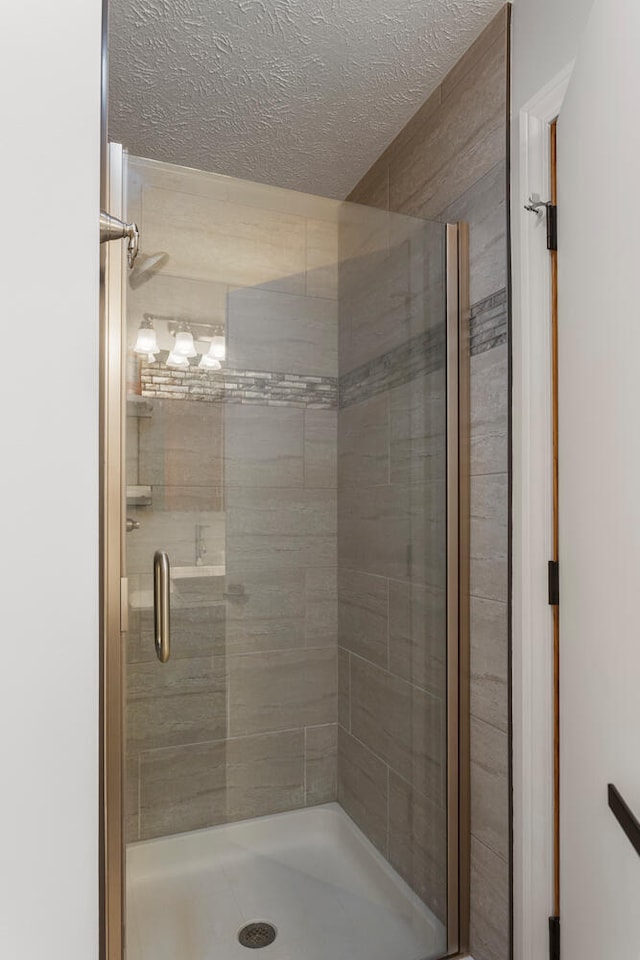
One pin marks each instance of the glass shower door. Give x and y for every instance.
(286, 447)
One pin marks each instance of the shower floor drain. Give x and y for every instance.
(258, 934)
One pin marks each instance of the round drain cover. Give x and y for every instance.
(257, 934)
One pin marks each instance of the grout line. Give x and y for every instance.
(388, 808)
(409, 683)
(487, 723)
(486, 846)
(350, 698)
(435, 802)
(479, 596)
(227, 739)
(388, 628)
(139, 805)
(304, 766)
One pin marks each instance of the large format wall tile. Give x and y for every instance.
(265, 609)
(284, 333)
(207, 783)
(363, 615)
(344, 689)
(182, 788)
(320, 448)
(321, 607)
(267, 511)
(489, 412)
(490, 662)
(363, 788)
(489, 903)
(490, 787)
(198, 631)
(418, 635)
(321, 772)
(489, 536)
(180, 445)
(483, 207)
(448, 163)
(401, 724)
(322, 259)
(417, 429)
(375, 530)
(263, 446)
(245, 481)
(282, 690)
(179, 702)
(363, 443)
(464, 145)
(210, 239)
(264, 774)
(418, 843)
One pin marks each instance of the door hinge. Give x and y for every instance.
(537, 206)
(554, 583)
(554, 938)
(552, 226)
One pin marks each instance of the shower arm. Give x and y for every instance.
(111, 228)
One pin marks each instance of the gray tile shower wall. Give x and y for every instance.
(447, 164)
(237, 470)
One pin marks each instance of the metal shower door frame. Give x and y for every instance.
(113, 593)
(458, 417)
(114, 601)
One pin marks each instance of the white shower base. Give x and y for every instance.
(311, 873)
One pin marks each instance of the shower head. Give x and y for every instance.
(146, 266)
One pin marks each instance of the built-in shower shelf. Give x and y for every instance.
(138, 496)
(189, 573)
(194, 585)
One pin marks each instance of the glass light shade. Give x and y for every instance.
(208, 362)
(146, 342)
(218, 348)
(177, 362)
(183, 346)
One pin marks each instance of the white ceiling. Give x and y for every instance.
(299, 93)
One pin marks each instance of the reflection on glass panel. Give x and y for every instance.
(286, 446)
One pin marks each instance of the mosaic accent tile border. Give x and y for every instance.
(421, 355)
(489, 323)
(238, 386)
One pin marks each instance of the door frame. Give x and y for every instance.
(113, 592)
(532, 511)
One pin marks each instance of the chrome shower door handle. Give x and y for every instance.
(162, 604)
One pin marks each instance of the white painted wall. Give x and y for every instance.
(49, 168)
(599, 396)
(545, 37)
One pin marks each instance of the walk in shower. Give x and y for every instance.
(291, 761)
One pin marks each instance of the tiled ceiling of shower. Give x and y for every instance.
(302, 94)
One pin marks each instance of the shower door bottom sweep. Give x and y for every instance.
(290, 530)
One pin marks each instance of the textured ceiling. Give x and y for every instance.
(303, 94)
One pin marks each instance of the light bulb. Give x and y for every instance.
(208, 362)
(218, 348)
(151, 358)
(146, 342)
(184, 345)
(177, 362)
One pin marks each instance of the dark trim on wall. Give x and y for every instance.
(509, 14)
